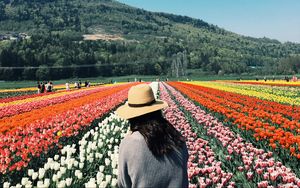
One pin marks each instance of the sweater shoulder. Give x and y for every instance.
(134, 140)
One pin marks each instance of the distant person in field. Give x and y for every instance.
(287, 78)
(43, 88)
(49, 87)
(154, 154)
(76, 85)
(86, 84)
(67, 86)
(79, 84)
(39, 86)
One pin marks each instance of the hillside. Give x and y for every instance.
(150, 43)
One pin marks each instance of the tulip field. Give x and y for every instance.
(239, 134)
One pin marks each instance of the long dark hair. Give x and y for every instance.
(161, 137)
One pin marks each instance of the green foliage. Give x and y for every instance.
(150, 42)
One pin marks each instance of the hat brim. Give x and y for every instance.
(127, 112)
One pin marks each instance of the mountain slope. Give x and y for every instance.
(153, 43)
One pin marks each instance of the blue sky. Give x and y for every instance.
(276, 19)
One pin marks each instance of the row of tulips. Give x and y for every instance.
(259, 166)
(37, 97)
(32, 97)
(19, 146)
(272, 112)
(29, 104)
(38, 116)
(289, 92)
(6, 95)
(26, 89)
(92, 162)
(280, 83)
(250, 115)
(203, 167)
(22, 97)
(289, 98)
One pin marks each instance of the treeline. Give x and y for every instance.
(152, 43)
(61, 56)
(57, 56)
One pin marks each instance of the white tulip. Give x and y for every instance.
(108, 178)
(103, 184)
(115, 172)
(24, 181)
(116, 148)
(79, 175)
(111, 140)
(100, 177)
(92, 131)
(47, 165)
(49, 160)
(81, 165)
(28, 185)
(91, 183)
(6, 185)
(63, 170)
(100, 144)
(47, 182)
(113, 164)
(91, 159)
(63, 151)
(54, 178)
(82, 159)
(107, 161)
(70, 165)
(61, 184)
(76, 163)
(56, 157)
(34, 175)
(56, 166)
(30, 172)
(40, 184)
(41, 173)
(59, 174)
(62, 161)
(88, 150)
(68, 181)
(114, 182)
(101, 168)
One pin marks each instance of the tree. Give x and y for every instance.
(2, 11)
(158, 69)
(6, 74)
(43, 73)
(29, 74)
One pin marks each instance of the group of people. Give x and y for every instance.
(44, 87)
(286, 78)
(78, 84)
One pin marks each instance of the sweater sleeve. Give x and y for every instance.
(123, 176)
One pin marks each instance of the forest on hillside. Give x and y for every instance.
(153, 43)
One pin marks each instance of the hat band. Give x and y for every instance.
(142, 105)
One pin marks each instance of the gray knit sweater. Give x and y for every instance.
(138, 167)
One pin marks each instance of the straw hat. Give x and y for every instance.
(141, 101)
